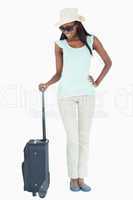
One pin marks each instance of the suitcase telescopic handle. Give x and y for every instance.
(43, 117)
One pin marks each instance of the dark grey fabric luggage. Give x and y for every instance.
(35, 167)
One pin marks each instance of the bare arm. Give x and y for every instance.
(59, 65)
(97, 45)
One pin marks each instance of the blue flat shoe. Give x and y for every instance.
(74, 188)
(85, 188)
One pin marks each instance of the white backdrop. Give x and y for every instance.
(27, 35)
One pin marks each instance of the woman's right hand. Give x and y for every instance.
(43, 86)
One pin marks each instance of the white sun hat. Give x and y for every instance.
(68, 15)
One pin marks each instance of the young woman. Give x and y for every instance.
(76, 90)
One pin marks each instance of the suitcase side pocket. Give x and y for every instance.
(25, 171)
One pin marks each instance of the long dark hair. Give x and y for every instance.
(82, 34)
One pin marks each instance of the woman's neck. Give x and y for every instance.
(75, 38)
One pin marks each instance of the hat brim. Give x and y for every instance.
(80, 18)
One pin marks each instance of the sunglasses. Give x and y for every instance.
(67, 28)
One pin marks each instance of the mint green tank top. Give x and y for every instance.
(76, 65)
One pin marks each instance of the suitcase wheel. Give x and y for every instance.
(34, 193)
(42, 194)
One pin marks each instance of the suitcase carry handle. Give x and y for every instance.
(43, 117)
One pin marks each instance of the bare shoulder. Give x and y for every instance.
(97, 43)
(58, 47)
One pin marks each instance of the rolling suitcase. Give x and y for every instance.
(35, 167)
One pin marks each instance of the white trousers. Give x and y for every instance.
(76, 114)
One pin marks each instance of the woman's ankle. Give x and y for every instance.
(74, 181)
(80, 180)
